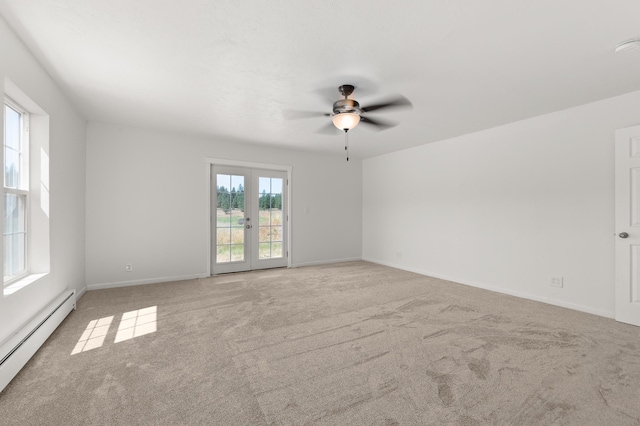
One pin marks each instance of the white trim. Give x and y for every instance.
(12, 91)
(158, 280)
(249, 164)
(80, 293)
(16, 351)
(326, 262)
(22, 277)
(15, 105)
(209, 161)
(21, 282)
(209, 213)
(522, 295)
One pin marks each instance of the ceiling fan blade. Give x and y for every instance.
(292, 114)
(398, 101)
(328, 129)
(377, 123)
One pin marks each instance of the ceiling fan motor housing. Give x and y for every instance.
(346, 105)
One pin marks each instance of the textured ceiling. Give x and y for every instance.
(232, 69)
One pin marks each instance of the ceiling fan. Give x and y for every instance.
(347, 113)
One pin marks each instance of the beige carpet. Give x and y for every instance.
(344, 344)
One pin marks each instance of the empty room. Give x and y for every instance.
(320, 213)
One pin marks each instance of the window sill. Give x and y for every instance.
(22, 283)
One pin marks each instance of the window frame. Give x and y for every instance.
(22, 187)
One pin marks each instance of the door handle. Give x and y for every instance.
(623, 235)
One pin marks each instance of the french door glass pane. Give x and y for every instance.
(264, 251)
(270, 217)
(223, 254)
(230, 218)
(276, 249)
(224, 236)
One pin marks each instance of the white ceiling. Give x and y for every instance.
(232, 68)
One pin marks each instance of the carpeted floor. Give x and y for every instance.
(344, 344)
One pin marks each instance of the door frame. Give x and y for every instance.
(223, 162)
(627, 307)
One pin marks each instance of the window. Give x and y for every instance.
(16, 190)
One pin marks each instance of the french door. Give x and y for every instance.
(249, 220)
(627, 245)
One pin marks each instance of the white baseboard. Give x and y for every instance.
(522, 295)
(18, 349)
(80, 293)
(324, 262)
(157, 280)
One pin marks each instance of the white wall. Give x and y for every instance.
(66, 180)
(147, 205)
(508, 207)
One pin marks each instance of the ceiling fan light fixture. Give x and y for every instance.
(346, 120)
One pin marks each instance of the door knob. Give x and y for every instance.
(623, 235)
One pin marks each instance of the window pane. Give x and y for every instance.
(14, 234)
(14, 213)
(14, 254)
(12, 135)
(11, 168)
(12, 128)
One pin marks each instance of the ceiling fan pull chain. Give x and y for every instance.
(346, 142)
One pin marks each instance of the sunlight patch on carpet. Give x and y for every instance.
(93, 336)
(137, 323)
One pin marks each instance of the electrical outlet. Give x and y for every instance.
(128, 267)
(556, 281)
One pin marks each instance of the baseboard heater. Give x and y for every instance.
(19, 349)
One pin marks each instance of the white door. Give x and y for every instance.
(249, 219)
(627, 246)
